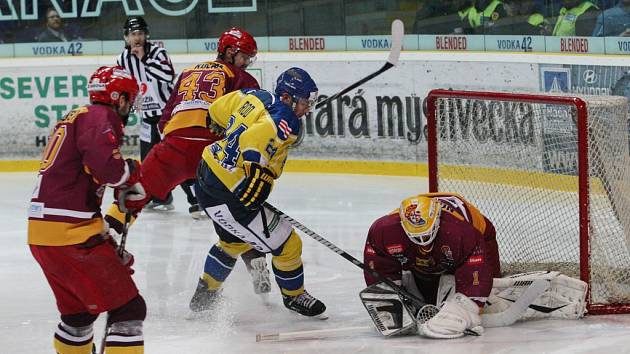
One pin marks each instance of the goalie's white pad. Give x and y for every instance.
(446, 288)
(457, 315)
(390, 314)
(565, 298)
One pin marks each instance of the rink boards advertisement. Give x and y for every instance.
(382, 120)
(581, 80)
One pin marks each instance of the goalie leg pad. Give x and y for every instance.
(388, 312)
(564, 299)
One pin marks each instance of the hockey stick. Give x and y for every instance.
(315, 334)
(398, 31)
(400, 291)
(120, 252)
(514, 312)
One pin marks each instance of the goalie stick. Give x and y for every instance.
(398, 31)
(313, 334)
(514, 312)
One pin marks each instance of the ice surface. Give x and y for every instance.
(170, 249)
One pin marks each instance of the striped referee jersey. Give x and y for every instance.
(154, 74)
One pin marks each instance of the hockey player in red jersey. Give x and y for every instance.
(65, 226)
(431, 235)
(187, 131)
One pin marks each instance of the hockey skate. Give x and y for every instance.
(305, 304)
(204, 299)
(260, 275)
(196, 212)
(162, 205)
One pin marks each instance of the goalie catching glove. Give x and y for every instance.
(256, 187)
(457, 316)
(131, 196)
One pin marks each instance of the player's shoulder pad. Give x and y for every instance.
(287, 123)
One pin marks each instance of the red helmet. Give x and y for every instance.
(108, 82)
(239, 39)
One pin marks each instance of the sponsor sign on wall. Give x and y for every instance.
(560, 134)
(382, 120)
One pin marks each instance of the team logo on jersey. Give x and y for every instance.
(143, 88)
(475, 275)
(393, 249)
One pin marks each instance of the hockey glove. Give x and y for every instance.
(131, 196)
(255, 189)
(457, 315)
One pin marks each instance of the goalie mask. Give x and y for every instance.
(420, 218)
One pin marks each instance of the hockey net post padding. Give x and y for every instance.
(551, 171)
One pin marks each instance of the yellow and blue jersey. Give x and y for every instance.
(258, 128)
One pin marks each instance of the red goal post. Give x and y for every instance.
(551, 171)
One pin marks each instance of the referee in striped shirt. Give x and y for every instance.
(153, 70)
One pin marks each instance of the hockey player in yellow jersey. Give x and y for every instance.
(236, 175)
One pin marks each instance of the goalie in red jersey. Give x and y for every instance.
(441, 249)
(431, 235)
(186, 132)
(65, 228)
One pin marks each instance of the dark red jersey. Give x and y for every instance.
(465, 246)
(196, 88)
(81, 157)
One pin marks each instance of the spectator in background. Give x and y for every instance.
(614, 21)
(55, 29)
(575, 18)
(470, 17)
(439, 17)
(519, 17)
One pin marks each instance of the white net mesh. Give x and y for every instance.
(517, 160)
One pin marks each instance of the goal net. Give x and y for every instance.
(551, 172)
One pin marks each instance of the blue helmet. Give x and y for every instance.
(298, 84)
